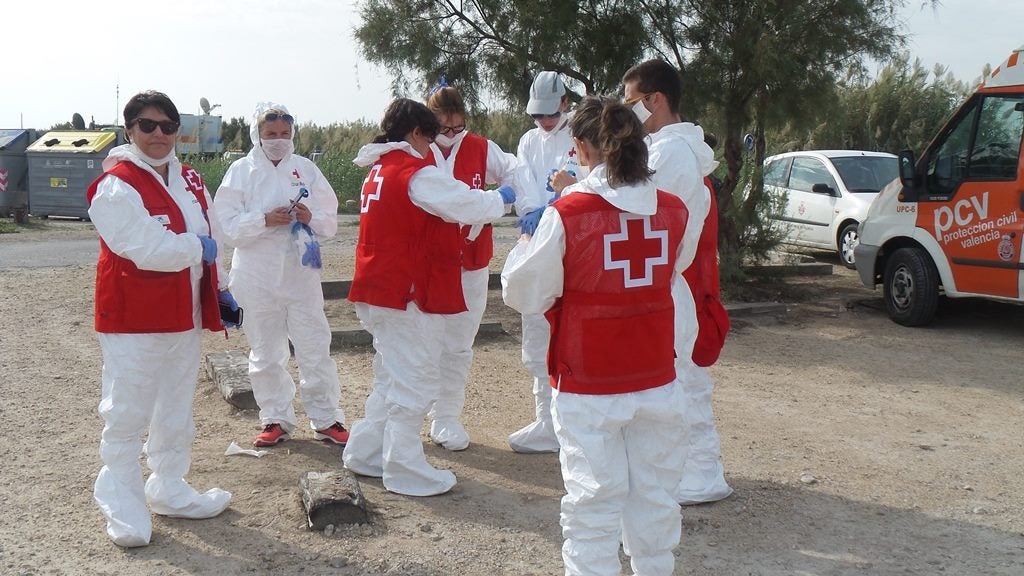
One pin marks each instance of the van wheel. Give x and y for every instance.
(848, 240)
(911, 287)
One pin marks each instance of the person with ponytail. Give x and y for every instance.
(407, 277)
(604, 266)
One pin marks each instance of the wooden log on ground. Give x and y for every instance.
(230, 372)
(332, 499)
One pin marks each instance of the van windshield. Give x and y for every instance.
(866, 173)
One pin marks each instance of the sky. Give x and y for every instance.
(67, 56)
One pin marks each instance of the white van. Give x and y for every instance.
(954, 221)
(822, 195)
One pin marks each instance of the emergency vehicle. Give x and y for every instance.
(953, 223)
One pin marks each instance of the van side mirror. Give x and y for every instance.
(908, 169)
(821, 188)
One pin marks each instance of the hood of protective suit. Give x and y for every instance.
(254, 128)
(370, 153)
(694, 136)
(634, 198)
(126, 153)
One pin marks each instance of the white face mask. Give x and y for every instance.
(446, 141)
(641, 111)
(149, 159)
(278, 148)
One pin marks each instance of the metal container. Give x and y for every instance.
(14, 169)
(61, 166)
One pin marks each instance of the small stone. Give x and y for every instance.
(426, 528)
(329, 530)
(969, 488)
(979, 510)
(339, 562)
(808, 478)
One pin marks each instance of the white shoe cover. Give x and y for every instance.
(123, 504)
(702, 483)
(535, 438)
(450, 434)
(363, 453)
(177, 499)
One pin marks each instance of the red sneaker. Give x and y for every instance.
(272, 434)
(335, 434)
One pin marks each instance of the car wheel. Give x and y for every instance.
(911, 287)
(848, 240)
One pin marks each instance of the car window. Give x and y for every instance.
(993, 153)
(866, 173)
(996, 149)
(776, 172)
(807, 172)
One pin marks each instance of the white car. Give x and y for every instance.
(823, 195)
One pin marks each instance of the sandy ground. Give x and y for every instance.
(915, 438)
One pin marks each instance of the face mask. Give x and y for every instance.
(446, 141)
(149, 159)
(641, 111)
(278, 148)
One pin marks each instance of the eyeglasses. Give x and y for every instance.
(273, 116)
(453, 130)
(147, 126)
(548, 116)
(632, 101)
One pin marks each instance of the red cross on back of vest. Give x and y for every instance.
(636, 250)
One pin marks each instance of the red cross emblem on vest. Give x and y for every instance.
(572, 152)
(296, 174)
(636, 250)
(371, 188)
(194, 180)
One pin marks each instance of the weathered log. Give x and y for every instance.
(332, 499)
(230, 372)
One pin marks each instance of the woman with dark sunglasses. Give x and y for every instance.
(156, 288)
(273, 206)
(543, 151)
(477, 162)
(407, 277)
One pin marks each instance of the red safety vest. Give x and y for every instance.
(613, 329)
(702, 277)
(134, 301)
(471, 168)
(404, 253)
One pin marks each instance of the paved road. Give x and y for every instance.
(47, 253)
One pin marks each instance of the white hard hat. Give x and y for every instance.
(545, 93)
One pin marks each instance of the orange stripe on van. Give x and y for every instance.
(1013, 60)
(995, 73)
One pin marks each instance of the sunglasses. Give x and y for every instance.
(147, 126)
(631, 101)
(453, 130)
(273, 116)
(543, 116)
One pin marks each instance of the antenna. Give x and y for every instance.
(77, 121)
(204, 104)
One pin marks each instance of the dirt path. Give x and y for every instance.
(915, 438)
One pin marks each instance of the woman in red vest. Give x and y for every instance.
(605, 266)
(156, 287)
(408, 275)
(475, 161)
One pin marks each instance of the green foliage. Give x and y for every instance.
(235, 134)
(8, 227)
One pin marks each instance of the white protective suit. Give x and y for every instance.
(408, 344)
(149, 380)
(282, 299)
(621, 454)
(681, 160)
(460, 329)
(542, 153)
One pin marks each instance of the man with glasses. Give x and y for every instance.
(544, 151)
(273, 206)
(477, 162)
(681, 159)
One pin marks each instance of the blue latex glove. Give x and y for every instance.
(309, 246)
(550, 174)
(225, 298)
(528, 222)
(508, 195)
(209, 249)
